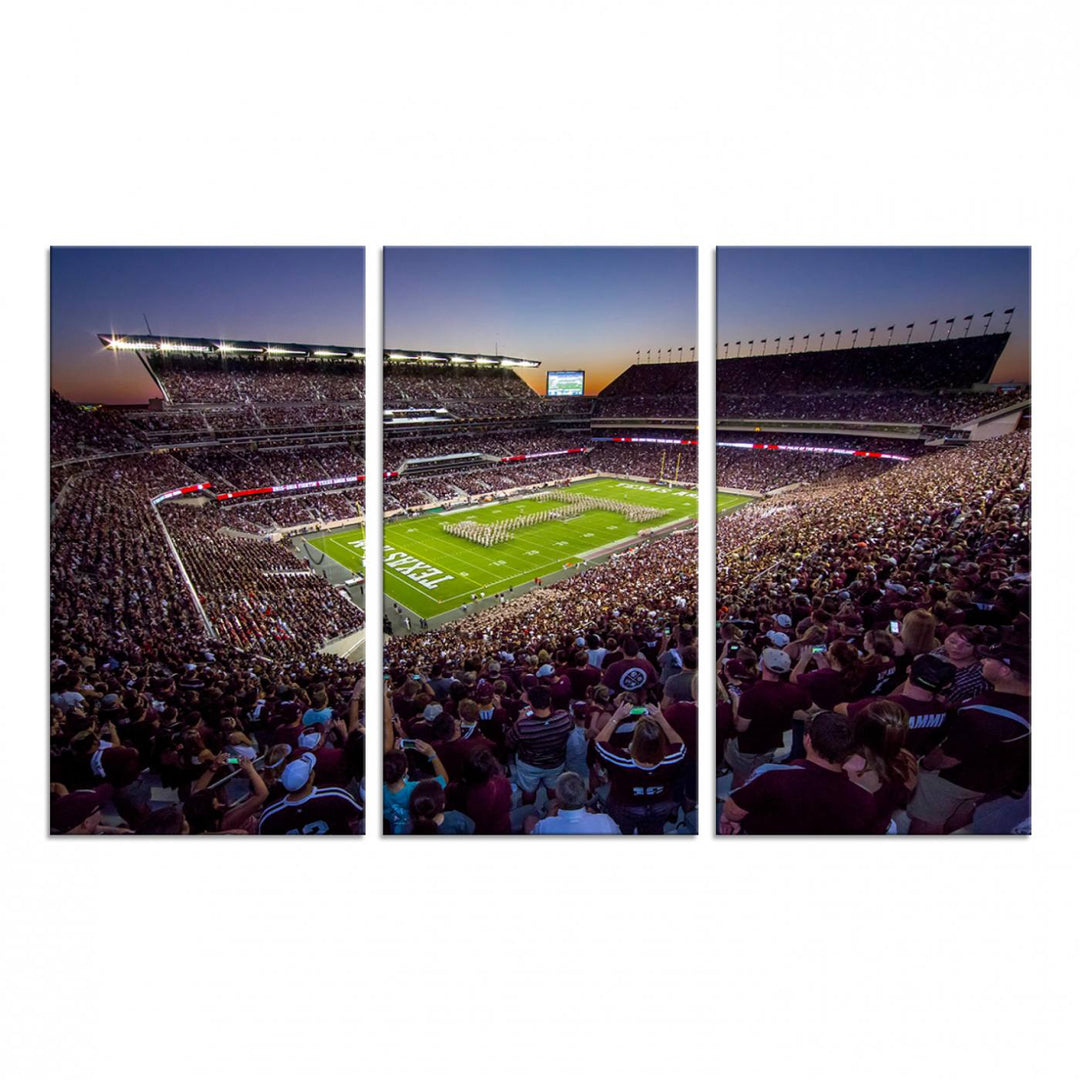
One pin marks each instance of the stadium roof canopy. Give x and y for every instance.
(179, 346)
(439, 358)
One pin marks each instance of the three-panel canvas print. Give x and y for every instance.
(544, 666)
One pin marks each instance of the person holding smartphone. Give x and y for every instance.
(645, 774)
(398, 787)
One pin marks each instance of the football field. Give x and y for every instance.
(429, 571)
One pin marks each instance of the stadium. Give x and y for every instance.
(540, 552)
(205, 678)
(873, 668)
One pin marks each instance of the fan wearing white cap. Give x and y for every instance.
(763, 713)
(307, 809)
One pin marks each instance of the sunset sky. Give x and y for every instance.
(310, 295)
(570, 308)
(779, 292)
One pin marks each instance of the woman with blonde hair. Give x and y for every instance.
(879, 762)
(918, 632)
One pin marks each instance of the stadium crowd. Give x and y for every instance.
(896, 406)
(157, 726)
(874, 670)
(570, 708)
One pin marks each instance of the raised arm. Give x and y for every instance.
(236, 816)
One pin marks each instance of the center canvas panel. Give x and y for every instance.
(540, 541)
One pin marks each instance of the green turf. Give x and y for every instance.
(464, 568)
(726, 501)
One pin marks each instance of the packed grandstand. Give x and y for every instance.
(199, 650)
(201, 671)
(566, 704)
(873, 604)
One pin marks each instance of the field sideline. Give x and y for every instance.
(430, 572)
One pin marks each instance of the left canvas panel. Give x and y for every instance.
(206, 425)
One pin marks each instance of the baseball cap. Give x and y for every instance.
(782, 620)
(110, 701)
(778, 639)
(779, 663)
(545, 669)
(931, 672)
(298, 771)
(432, 711)
(896, 587)
(311, 735)
(1015, 657)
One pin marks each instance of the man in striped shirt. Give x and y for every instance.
(538, 738)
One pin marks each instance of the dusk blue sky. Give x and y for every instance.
(588, 308)
(311, 295)
(779, 292)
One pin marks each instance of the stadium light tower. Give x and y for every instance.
(791, 344)
(776, 342)
(949, 324)
(890, 329)
(693, 352)
(806, 342)
(873, 331)
(854, 336)
(738, 348)
(669, 355)
(821, 343)
(1009, 312)
(987, 316)
(751, 344)
(967, 323)
(933, 328)
(910, 327)
(838, 333)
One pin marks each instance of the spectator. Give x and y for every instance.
(813, 796)
(569, 816)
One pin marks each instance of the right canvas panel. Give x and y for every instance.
(873, 415)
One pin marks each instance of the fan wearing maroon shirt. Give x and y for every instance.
(643, 776)
(763, 712)
(309, 810)
(632, 672)
(455, 739)
(683, 717)
(987, 751)
(812, 797)
(581, 673)
(923, 694)
(484, 794)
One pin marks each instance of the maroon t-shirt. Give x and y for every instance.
(992, 738)
(287, 733)
(770, 707)
(324, 811)
(455, 753)
(806, 800)
(826, 687)
(488, 805)
(331, 768)
(928, 722)
(635, 673)
(561, 692)
(581, 678)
